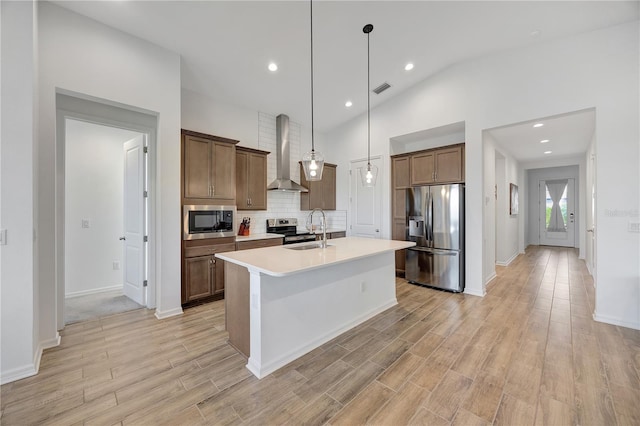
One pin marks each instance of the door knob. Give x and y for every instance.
(122, 238)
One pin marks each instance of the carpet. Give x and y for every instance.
(94, 306)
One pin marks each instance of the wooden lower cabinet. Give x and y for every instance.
(399, 232)
(202, 272)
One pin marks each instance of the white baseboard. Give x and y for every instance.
(474, 292)
(30, 369)
(18, 373)
(170, 313)
(488, 279)
(511, 259)
(92, 291)
(616, 321)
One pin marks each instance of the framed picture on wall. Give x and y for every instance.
(513, 199)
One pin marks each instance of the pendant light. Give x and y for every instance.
(312, 162)
(370, 173)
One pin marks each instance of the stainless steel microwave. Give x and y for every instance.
(201, 222)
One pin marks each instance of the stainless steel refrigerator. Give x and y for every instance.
(435, 219)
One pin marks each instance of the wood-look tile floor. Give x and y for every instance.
(527, 353)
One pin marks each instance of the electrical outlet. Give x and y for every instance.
(116, 265)
(85, 223)
(363, 287)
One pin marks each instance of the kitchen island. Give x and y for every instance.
(282, 302)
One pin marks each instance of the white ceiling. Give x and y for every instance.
(226, 45)
(568, 135)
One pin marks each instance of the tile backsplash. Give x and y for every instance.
(284, 204)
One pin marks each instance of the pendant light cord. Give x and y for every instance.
(368, 107)
(311, 9)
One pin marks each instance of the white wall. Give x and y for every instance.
(80, 55)
(597, 69)
(94, 179)
(20, 353)
(489, 212)
(507, 225)
(590, 182)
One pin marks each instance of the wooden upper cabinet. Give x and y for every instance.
(442, 165)
(329, 188)
(401, 172)
(322, 193)
(449, 165)
(197, 167)
(422, 168)
(208, 168)
(251, 179)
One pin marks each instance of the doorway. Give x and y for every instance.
(557, 212)
(73, 108)
(104, 184)
(365, 202)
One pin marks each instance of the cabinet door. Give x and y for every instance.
(398, 232)
(329, 188)
(399, 203)
(197, 167)
(448, 165)
(224, 171)
(257, 181)
(401, 172)
(217, 273)
(242, 180)
(422, 168)
(198, 277)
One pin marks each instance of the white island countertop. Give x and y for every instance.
(281, 261)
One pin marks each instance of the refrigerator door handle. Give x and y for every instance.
(430, 207)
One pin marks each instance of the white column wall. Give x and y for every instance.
(597, 69)
(20, 354)
(80, 55)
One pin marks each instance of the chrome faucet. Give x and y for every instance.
(324, 225)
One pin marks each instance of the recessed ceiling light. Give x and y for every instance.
(538, 125)
(408, 67)
(544, 141)
(547, 152)
(348, 104)
(273, 67)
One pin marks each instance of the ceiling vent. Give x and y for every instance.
(384, 86)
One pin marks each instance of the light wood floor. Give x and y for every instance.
(527, 353)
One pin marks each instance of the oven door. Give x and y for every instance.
(201, 222)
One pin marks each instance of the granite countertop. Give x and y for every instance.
(253, 237)
(281, 261)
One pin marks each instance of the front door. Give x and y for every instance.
(557, 212)
(134, 223)
(365, 202)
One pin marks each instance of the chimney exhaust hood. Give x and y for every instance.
(283, 180)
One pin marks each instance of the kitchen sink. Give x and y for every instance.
(309, 246)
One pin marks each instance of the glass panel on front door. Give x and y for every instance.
(556, 206)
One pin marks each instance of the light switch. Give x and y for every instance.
(85, 223)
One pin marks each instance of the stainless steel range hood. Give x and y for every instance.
(283, 180)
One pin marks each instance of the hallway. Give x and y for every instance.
(527, 353)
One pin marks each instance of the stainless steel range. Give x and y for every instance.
(288, 228)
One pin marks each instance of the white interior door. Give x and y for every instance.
(365, 202)
(134, 220)
(557, 212)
